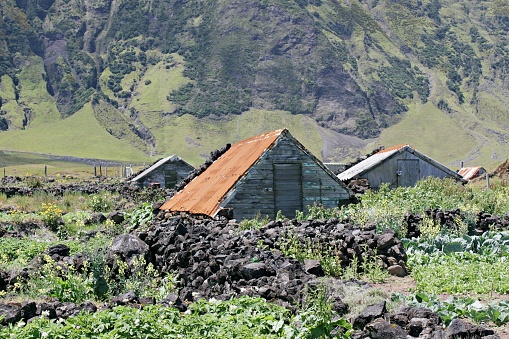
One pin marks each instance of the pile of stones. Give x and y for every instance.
(213, 258)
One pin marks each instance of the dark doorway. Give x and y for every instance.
(287, 189)
(170, 178)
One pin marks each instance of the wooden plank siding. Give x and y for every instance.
(288, 187)
(387, 171)
(264, 190)
(175, 171)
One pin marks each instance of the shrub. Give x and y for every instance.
(387, 207)
(102, 202)
(65, 284)
(319, 212)
(141, 278)
(33, 182)
(50, 215)
(317, 317)
(253, 224)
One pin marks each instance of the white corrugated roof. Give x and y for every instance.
(156, 165)
(377, 158)
(370, 162)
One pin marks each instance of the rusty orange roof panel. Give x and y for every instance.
(205, 192)
(393, 148)
(469, 173)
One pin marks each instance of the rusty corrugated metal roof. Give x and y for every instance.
(205, 192)
(469, 173)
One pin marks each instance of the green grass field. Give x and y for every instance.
(26, 164)
(13, 163)
(63, 137)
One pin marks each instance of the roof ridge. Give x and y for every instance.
(394, 148)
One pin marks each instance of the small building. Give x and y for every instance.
(400, 166)
(469, 173)
(166, 172)
(261, 175)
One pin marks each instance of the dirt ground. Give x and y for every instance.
(406, 285)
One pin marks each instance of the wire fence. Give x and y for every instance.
(105, 171)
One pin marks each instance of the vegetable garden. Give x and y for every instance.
(61, 277)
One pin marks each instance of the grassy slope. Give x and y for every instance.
(187, 136)
(14, 113)
(152, 97)
(431, 132)
(194, 139)
(79, 135)
(35, 95)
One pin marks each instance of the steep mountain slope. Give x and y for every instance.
(363, 72)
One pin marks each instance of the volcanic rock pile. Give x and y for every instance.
(215, 259)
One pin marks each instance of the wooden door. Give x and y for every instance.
(288, 189)
(408, 172)
(170, 178)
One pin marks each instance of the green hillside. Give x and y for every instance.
(433, 133)
(193, 139)
(79, 135)
(164, 77)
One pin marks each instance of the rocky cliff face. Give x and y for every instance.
(354, 66)
(268, 55)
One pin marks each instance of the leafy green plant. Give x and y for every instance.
(373, 271)
(33, 182)
(140, 278)
(317, 318)
(460, 264)
(141, 216)
(17, 216)
(352, 271)
(255, 223)
(16, 253)
(243, 317)
(319, 212)
(429, 227)
(102, 202)
(63, 283)
(280, 215)
(329, 258)
(459, 307)
(387, 207)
